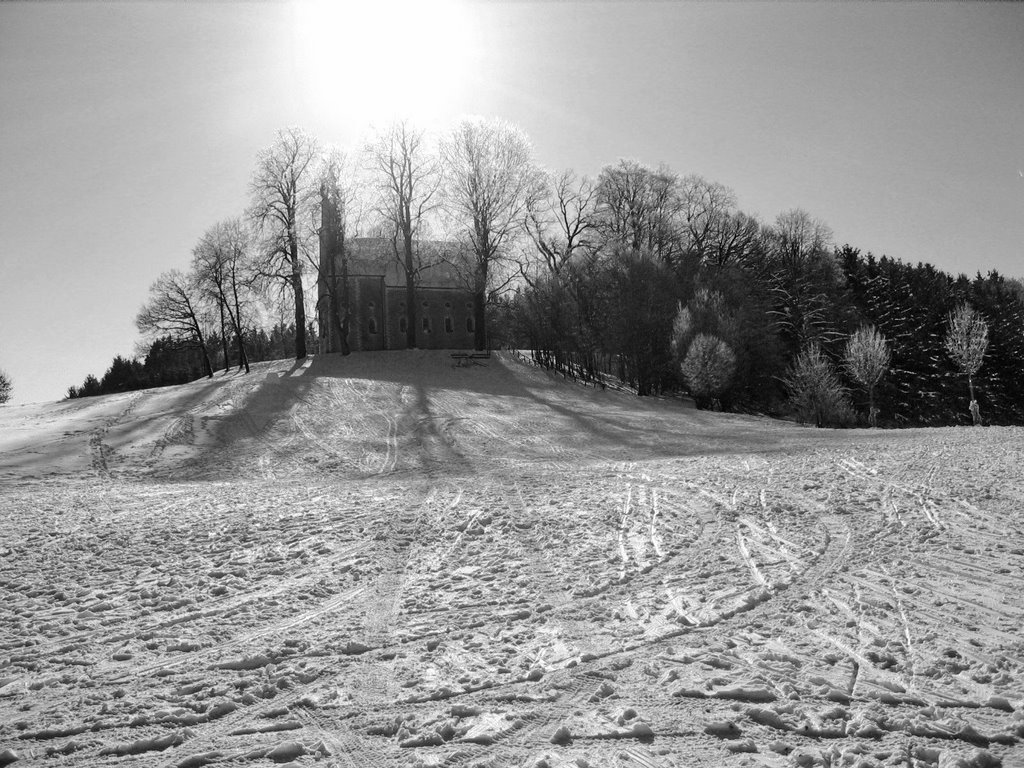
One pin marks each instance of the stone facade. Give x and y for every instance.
(377, 298)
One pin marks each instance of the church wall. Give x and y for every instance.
(367, 314)
(395, 317)
(445, 310)
(376, 301)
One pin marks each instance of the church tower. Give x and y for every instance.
(332, 273)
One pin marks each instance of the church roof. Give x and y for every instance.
(376, 257)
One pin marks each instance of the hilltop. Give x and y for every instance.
(384, 560)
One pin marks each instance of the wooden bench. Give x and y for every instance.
(470, 358)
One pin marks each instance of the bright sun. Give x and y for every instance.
(379, 59)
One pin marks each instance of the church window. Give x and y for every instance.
(371, 322)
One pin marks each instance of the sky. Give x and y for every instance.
(128, 129)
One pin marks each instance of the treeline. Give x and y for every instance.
(912, 306)
(642, 276)
(168, 361)
(662, 282)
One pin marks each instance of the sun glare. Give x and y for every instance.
(374, 61)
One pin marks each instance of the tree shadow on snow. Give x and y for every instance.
(603, 423)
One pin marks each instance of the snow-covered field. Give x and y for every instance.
(383, 560)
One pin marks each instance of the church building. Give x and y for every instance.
(377, 296)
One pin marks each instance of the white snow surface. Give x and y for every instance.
(385, 560)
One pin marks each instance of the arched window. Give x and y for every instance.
(403, 324)
(371, 321)
(470, 324)
(425, 322)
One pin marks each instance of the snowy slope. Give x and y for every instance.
(383, 560)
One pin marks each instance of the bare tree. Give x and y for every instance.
(639, 207)
(704, 206)
(490, 181)
(174, 309)
(407, 179)
(562, 223)
(966, 342)
(6, 387)
(716, 233)
(221, 263)
(736, 240)
(283, 189)
(867, 359)
(799, 238)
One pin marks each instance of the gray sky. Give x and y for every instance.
(127, 129)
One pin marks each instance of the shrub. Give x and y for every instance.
(815, 392)
(708, 366)
(6, 388)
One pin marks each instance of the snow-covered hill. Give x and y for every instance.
(385, 560)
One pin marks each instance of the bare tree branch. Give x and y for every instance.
(283, 190)
(174, 309)
(407, 178)
(490, 182)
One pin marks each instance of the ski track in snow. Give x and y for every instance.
(382, 560)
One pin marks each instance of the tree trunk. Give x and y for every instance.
(336, 324)
(300, 304)
(334, 317)
(341, 309)
(480, 308)
(198, 331)
(236, 320)
(872, 417)
(206, 354)
(224, 336)
(479, 320)
(410, 291)
(243, 359)
(206, 361)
